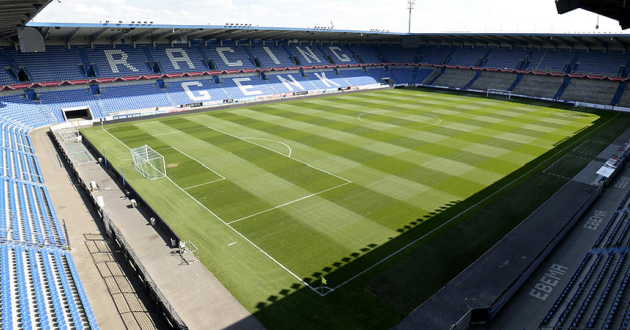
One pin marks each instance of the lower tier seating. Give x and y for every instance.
(625, 99)
(40, 290)
(494, 80)
(455, 78)
(541, 86)
(591, 91)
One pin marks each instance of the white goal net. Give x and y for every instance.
(148, 162)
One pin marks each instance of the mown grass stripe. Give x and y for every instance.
(480, 136)
(469, 115)
(522, 124)
(288, 169)
(185, 171)
(387, 164)
(498, 109)
(458, 154)
(233, 145)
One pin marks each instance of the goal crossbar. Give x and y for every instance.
(148, 162)
(506, 93)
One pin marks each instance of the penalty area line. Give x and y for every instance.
(238, 233)
(288, 203)
(197, 160)
(271, 140)
(279, 153)
(204, 184)
(242, 236)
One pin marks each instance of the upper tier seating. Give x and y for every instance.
(606, 64)
(401, 55)
(339, 54)
(177, 59)
(591, 91)
(271, 57)
(229, 57)
(549, 60)
(309, 55)
(435, 55)
(504, 58)
(66, 63)
(366, 54)
(120, 61)
(542, 86)
(106, 61)
(467, 56)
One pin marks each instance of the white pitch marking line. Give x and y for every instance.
(393, 254)
(271, 140)
(245, 238)
(200, 163)
(204, 184)
(230, 227)
(288, 203)
(388, 113)
(295, 159)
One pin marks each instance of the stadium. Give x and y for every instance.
(245, 177)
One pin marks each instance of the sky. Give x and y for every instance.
(481, 16)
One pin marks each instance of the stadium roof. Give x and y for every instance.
(616, 9)
(81, 33)
(14, 14)
(145, 31)
(597, 40)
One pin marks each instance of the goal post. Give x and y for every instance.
(507, 94)
(148, 162)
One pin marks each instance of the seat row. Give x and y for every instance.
(40, 289)
(565, 292)
(106, 61)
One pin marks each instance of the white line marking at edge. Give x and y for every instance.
(271, 140)
(230, 227)
(204, 184)
(295, 159)
(195, 159)
(406, 246)
(288, 203)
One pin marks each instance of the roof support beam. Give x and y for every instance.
(71, 35)
(94, 36)
(118, 36)
(139, 36)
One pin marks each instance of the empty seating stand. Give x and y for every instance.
(607, 64)
(40, 290)
(455, 78)
(542, 86)
(625, 98)
(590, 91)
(494, 80)
(39, 284)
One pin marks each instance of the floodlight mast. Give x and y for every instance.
(411, 4)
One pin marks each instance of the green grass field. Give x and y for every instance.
(387, 193)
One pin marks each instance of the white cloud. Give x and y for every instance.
(429, 16)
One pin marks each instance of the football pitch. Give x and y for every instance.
(310, 197)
